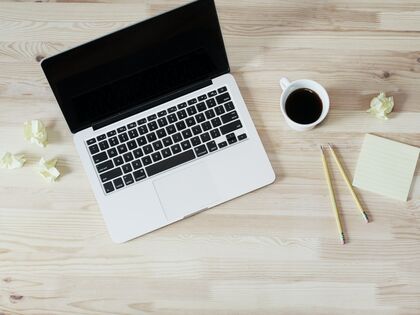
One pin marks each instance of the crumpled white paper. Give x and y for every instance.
(35, 132)
(12, 161)
(381, 106)
(47, 169)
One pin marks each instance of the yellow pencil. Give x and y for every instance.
(356, 200)
(332, 197)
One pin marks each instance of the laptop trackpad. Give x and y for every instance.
(186, 191)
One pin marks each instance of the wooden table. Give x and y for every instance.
(273, 251)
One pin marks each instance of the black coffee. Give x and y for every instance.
(303, 106)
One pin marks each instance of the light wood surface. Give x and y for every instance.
(273, 251)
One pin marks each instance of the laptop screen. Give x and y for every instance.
(137, 64)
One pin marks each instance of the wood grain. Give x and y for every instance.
(273, 251)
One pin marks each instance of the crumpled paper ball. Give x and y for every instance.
(12, 161)
(48, 170)
(381, 106)
(35, 132)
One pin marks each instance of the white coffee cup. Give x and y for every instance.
(289, 87)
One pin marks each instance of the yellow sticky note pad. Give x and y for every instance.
(386, 167)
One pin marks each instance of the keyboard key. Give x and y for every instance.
(176, 148)
(151, 137)
(151, 117)
(185, 144)
(172, 109)
(222, 144)
(118, 161)
(118, 183)
(123, 137)
(127, 168)
(113, 141)
(146, 160)
(142, 129)
(139, 175)
(206, 125)
(210, 114)
(195, 141)
(200, 150)
(141, 141)
(136, 164)
(132, 133)
(187, 134)
(121, 129)
(230, 127)
(212, 93)
(182, 114)
(111, 133)
(205, 137)
(166, 152)
(128, 156)
(196, 130)
(104, 145)
(201, 107)
(214, 133)
(242, 136)
(180, 125)
(112, 152)
(157, 145)
(177, 137)
(152, 125)
(156, 156)
(190, 121)
(162, 113)
(122, 148)
(100, 157)
(170, 129)
(211, 103)
(172, 118)
(229, 117)
(94, 149)
(170, 162)
(219, 110)
(109, 187)
(222, 89)
(138, 153)
(162, 122)
(131, 144)
(161, 133)
(192, 101)
(216, 122)
(128, 179)
(141, 121)
(131, 125)
(91, 141)
(211, 146)
(223, 98)
(191, 110)
(167, 141)
(101, 137)
(111, 174)
(202, 97)
(182, 105)
(231, 138)
(200, 118)
(147, 149)
(229, 106)
(104, 166)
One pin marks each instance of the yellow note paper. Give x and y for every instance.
(386, 167)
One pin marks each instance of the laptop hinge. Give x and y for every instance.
(153, 103)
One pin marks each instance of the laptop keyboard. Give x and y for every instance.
(166, 139)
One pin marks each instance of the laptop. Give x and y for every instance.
(159, 123)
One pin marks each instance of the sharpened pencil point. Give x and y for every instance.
(343, 239)
(366, 216)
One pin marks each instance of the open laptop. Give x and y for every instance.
(159, 123)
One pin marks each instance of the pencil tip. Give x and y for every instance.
(366, 216)
(343, 239)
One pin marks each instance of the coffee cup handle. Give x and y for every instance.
(284, 83)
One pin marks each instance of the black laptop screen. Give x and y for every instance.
(135, 65)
